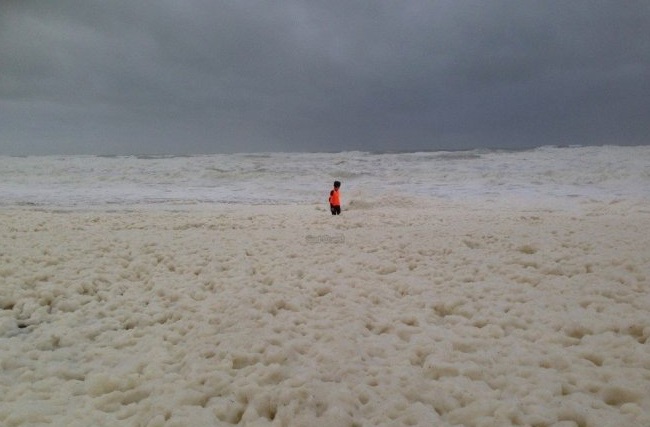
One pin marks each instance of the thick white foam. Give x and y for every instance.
(407, 312)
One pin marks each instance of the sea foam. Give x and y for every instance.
(302, 178)
(474, 289)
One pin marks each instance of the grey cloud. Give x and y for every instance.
(204, 76)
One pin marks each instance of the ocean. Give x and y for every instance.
(560, 174)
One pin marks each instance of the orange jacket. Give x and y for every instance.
(334, 198)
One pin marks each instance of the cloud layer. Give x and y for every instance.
(200, 76)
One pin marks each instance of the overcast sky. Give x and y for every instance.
(207, 76)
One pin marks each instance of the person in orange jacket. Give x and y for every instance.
(335, 199)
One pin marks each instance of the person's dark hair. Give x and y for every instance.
(337, 184)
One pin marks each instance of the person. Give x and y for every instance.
(335, 199)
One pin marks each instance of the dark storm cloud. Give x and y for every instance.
(204, 76)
